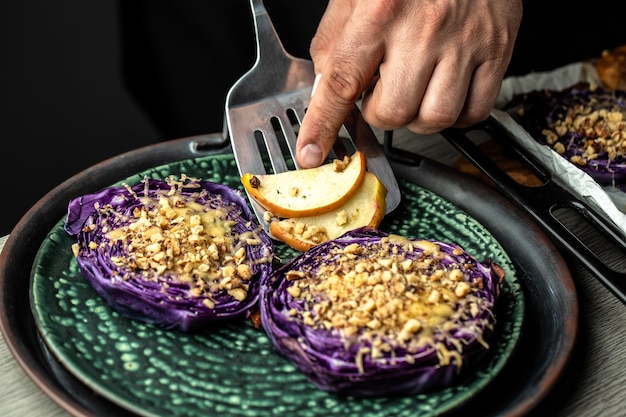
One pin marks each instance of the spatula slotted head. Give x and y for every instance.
(263, 133)
(266, 106)
(263, 137)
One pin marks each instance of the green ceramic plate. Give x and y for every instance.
(232, 369)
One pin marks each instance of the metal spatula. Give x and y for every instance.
(265, 106)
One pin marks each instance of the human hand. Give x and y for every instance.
(426, 65)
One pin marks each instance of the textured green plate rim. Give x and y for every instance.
(232, 369)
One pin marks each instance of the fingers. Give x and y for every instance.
(426, 95)
(445, 96)
(346, 60)
(423, 65)
(335, 95)
(446, 75)
(486, 82)
(482, 94)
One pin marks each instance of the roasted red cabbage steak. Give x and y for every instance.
(177, 253)
(376, 314)
(585, 124)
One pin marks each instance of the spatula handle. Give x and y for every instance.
(268, 45)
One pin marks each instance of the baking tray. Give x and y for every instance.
(551, 316)
(544, 201)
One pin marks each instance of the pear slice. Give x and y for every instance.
(307, 192)
(365, 208)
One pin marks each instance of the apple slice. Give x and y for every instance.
(307, 192)
(365, 208)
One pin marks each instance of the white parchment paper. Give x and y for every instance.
(608, 200)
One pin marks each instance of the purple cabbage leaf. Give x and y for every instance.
(179, 254)
(366, 314)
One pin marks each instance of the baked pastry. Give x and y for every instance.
(179, 254)
(374, 314)
(582, 123)
(611, 68)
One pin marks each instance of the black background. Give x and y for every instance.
(65, 106)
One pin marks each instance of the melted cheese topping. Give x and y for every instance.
(172, 235)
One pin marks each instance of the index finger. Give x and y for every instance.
(346, 74)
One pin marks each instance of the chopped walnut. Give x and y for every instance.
(309, 232)
(594, 125)
(390, 294)
(339, 165)
(342, 218)
(175, 238)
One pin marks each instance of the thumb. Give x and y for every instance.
(321, 123)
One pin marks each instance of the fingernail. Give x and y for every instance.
(315, 83)
(311, 155)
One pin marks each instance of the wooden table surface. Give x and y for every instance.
(595, 384)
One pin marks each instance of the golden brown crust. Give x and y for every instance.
(611, 68)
